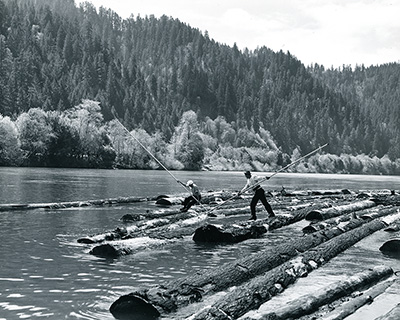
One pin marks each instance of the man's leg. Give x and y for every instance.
(265, 202)
(185, 204)
(253, 204)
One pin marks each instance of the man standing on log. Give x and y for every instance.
(194, 198)
(259, 194)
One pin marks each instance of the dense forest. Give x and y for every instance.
(67, 71)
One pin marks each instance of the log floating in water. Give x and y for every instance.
(230, 234)
(339, 210)
(172, 295)
(261, 288)
(310, 303)
(245, 230)
(348, 308)
(155, 236)
(139, 229)
(71, 204)
(125, 247)
(250, 229)
(367, 214)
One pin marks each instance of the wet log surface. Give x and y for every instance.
(170, 296)
(339, 210)
(251, 280)
(309, 303)
(261, 288)
(393, 314)
(362, 298)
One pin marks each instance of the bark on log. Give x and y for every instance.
(231, 234)
(260, 289)
(245, 230)
(138, 229)
(181, 292)
(367, 214)
(310, 303)
(155, 236)
(250, 229)
(393, 314)
(119, 248)
(339, 210)
(72, 204)
(329, 192)
(392, 199)
(353, 305)
(169, 201)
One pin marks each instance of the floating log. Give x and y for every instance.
(156, 236)
(125, 247)
(392, 199)
(348, 308)
(138, 229)
(181, 292)
(330, 192)
(72, 204)
(394, 227)
(391, 247)
(393, 314)
(339, 210)
(207, 198)
(234, 234)
(367, 214)
(261, 288)
(169, 201)
(249, 229)
(142, 309)
(309, 303)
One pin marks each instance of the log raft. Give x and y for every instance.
(169, 297)
(261, 288)
(238, 232)
(364, 298)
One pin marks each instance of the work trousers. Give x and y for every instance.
(189, 201)
(260, 195)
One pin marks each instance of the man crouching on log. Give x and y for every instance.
(194, 198)
(259, 194)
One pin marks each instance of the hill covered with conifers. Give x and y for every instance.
(66, 70)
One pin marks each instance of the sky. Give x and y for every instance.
(332, 33)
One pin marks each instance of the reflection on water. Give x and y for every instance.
(45, 273)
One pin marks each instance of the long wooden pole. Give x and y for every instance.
(148, 151)
(267, 178)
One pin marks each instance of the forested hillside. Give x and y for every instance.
(200, 103)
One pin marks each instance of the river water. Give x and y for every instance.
(46, 274)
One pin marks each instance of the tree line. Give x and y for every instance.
(80, 137)
(151, 71)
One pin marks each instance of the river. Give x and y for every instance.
(46, 274)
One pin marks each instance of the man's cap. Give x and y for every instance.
(189, 183)
(247, 173)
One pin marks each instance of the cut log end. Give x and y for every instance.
(86, 241)
(391, 247)
(314, 215)
(105, 251)
(210, 233)
(309, 229)
(164, 202)
(133, 307)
